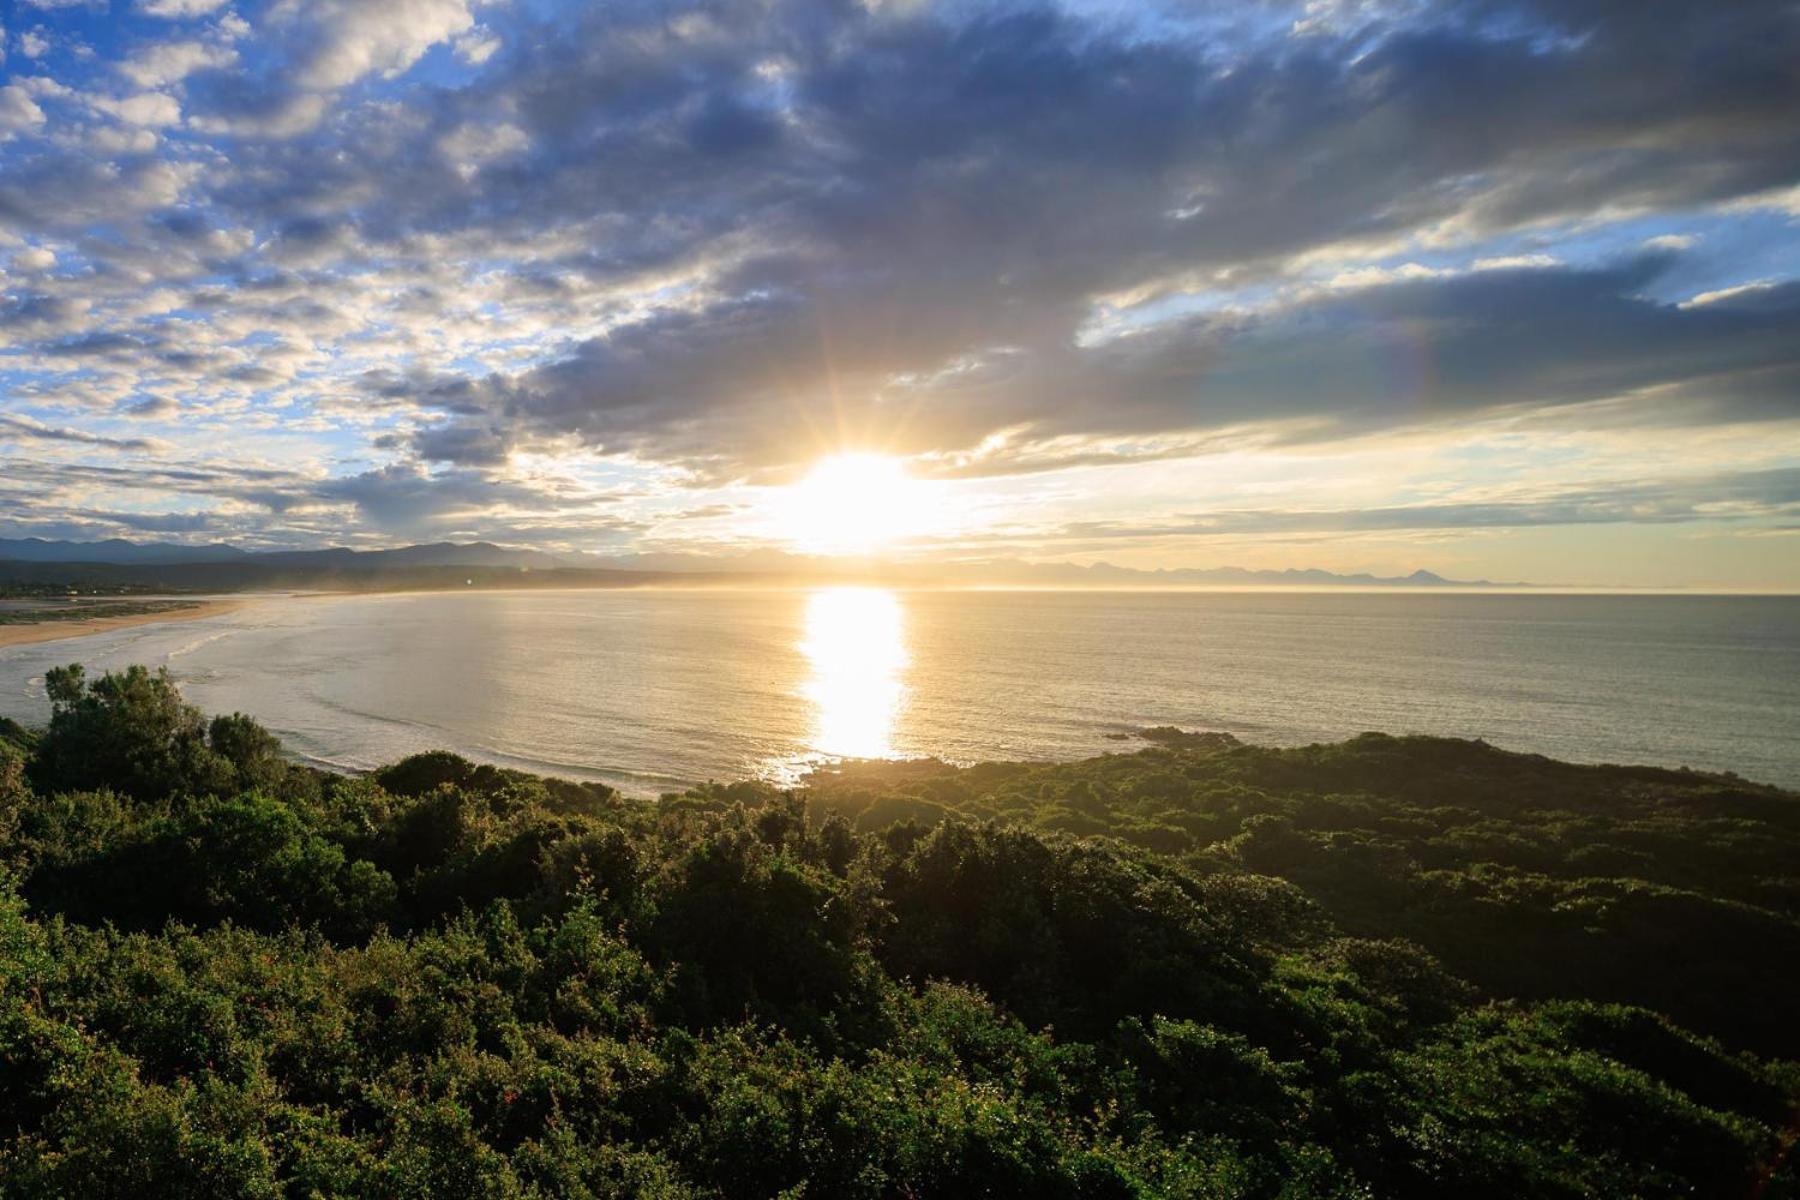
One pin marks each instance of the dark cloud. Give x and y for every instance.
(928, 209)
(36, 313)
(1429, 349)
(50, 498)
(758, 382)
(152, 407)
(407, 499)
(472, 445)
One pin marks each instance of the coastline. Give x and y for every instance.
(55, 631)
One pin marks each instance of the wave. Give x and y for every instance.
(208, 639)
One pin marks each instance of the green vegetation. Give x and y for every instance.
(1532, 878)
(62, 589)
(87, 610)
(1392, 967)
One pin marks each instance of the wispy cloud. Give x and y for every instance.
(25, 427)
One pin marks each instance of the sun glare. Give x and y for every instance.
(853, 504)
(855, 643)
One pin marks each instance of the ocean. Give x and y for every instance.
(651, 690)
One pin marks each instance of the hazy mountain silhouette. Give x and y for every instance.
(437, 554)
(114, 550)
(761, 565)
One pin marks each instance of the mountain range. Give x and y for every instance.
(120, 551)
(233, 566)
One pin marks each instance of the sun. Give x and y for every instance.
(853, 504)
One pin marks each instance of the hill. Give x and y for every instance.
(1201, 969)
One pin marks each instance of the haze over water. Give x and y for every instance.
(651, 690)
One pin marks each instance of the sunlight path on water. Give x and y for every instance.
(855, 646)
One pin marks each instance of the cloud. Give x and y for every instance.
(141, 522)
(1723, 497)
(19, 113)
(1738, 293)
(34, 259)
(25, 427)
(179, 9)
(235, 107)
(152, 407)
(477, 45)
(764, 382)
(467, 444)
(151, 109)
(469, 147)
(164, 63)
(344, 40)
(406, 499)
(1766, 496)
(905, 246)
(273, 506)
(26, 314)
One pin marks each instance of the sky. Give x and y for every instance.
(1499, 289)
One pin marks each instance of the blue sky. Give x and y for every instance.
(1500, 289)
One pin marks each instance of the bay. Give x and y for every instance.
(651, 690)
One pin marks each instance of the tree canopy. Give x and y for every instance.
(1390, 967)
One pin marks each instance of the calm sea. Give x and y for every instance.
(650, 690)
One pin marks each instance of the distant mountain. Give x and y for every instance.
(114, 550)
(120, 551)
(767, 563)
(1105, 574)
(437, 554)
(294, 567)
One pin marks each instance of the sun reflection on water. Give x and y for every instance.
(855, 645)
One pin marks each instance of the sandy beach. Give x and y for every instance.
(51, 631)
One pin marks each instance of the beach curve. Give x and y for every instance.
(54, 631)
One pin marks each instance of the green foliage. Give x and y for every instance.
(132, 732)
(1063, 933)
(15, 738)
(1528, 877)
(1204, 970)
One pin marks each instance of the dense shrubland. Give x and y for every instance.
(1528, 877)
(1383, 968)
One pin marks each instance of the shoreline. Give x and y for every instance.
(56, 631)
